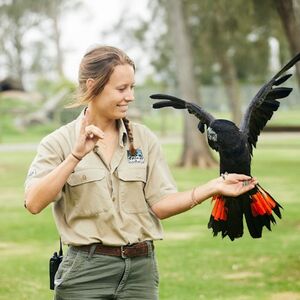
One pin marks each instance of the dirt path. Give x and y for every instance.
(17, 147)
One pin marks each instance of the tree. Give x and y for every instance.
(223, 25)
(17, 17)
(54, 10)
(221, 34)
(54, 13)
(288, 11)
(20, 18)
(195, 149)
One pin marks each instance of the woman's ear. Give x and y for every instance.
(89, 83)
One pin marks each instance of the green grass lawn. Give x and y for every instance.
(193, 264)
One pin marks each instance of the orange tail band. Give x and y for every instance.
(262, 204)
(219, 211)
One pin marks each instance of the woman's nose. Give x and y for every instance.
(130, 96)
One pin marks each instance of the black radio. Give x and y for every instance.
(54, 263)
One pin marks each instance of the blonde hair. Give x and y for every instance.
(99, 63)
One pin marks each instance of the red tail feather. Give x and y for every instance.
(262, 203)
(219, 211)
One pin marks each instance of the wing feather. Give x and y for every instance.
(260, 110)
(204, 117)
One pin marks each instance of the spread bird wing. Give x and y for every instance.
(263, 105)
(204, 117)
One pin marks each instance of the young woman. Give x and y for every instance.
(110, 186)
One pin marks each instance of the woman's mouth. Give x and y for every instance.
(123, 107)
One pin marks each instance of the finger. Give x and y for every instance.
(247, 185)
(86, 121)
(252, 181)
(245, 182)
(241, 177)
(88, 117)
(92, 131)
(236, 178)
(83, 125)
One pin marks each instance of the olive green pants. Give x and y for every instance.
(84, 276)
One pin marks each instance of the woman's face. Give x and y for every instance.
(112, 102)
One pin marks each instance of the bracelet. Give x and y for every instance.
(194, 201)
(79, 159)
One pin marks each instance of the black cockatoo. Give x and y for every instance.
(235, 147)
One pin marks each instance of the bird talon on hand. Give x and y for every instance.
(223, 175)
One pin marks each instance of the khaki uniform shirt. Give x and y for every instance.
(101, 203)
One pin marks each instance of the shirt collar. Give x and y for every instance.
(123, 137)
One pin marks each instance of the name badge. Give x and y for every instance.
(137, 158)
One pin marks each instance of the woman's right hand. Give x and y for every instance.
(234, 184)
(89, 135)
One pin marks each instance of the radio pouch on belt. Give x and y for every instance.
(54, 263)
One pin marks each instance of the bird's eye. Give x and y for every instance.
(211, 135)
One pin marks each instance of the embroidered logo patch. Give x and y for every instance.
(137, 158)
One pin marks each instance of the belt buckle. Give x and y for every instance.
(123, 252)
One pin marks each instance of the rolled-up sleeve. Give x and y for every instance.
(49, 156)
(159, 178)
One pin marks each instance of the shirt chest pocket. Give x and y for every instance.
(131, 191)
(87, 193)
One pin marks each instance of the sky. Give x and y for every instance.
(85, 27)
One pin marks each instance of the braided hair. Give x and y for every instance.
(132, 150)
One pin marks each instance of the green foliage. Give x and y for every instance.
(192, 263)
(48, 88)
(18, 18)
(239, 29)
(22, 19)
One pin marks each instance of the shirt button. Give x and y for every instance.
(83, 177)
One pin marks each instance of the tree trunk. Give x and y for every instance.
(195, 149)
(229, 77)
(290, 21)
(59, 53)
(54, 15)
(221, 47)
(19, 68)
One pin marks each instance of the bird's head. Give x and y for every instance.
(222, 134)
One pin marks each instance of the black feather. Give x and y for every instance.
(282, 79)
(278, 93)
(201, 127)
(265, 100)
(167, 104)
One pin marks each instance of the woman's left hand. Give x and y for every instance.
(234, 184)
